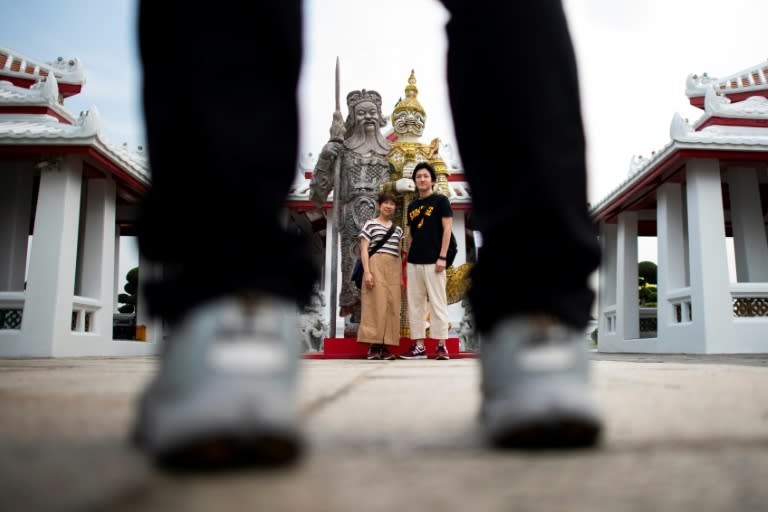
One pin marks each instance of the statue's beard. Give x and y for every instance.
(367, 141)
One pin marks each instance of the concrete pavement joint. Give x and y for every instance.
(315, 405)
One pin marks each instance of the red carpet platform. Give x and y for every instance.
(349, 348)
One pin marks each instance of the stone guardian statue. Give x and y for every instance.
(364, 170)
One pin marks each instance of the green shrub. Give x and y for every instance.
(128, 299)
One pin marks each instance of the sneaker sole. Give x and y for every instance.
(222, 429)
(548, 434)
(550, 426)
(442, 358)
(226, 451)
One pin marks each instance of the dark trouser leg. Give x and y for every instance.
(515, 101)
(222, 129)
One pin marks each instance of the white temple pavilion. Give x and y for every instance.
(66, 196)
(708, 187)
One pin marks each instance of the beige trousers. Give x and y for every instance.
(427, 289)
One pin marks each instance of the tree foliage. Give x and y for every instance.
(646, 271)
(647, 295)
(128, 299)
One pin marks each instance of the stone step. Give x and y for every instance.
(349, 348)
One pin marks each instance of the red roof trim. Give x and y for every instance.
(730, 121)
(104, 161)
(698, 101)
(664, 171)
(34, 110)
(65, 89)
(294, 204)
(127, 179)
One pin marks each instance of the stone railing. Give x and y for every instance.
(648, 323)
(83, 310)
(680, 299)
(11, 310)
(749, 300)
(610, 319)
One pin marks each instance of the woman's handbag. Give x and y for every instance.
(357, 270)
(357, 274)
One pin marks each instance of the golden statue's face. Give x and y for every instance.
(409, 121)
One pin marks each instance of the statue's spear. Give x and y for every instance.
(337, 134)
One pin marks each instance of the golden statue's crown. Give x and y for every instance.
(356, 97)
(410, 102)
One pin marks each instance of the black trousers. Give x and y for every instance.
(212, 215)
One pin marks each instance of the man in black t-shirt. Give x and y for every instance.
(430, 220)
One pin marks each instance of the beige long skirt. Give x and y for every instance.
(380, 314)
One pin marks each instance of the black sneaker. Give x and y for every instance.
(374, 352)
(385, 354)
(442, 353)
(415, 352)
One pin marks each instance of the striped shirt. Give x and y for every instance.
(373, 231)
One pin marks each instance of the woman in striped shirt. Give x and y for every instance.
(382, 281)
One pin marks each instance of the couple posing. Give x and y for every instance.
(430, 221)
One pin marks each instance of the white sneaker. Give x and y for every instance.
(535, 386)
(224, 394)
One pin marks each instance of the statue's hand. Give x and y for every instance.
(405, 185)
(337, 126)
(331, 150)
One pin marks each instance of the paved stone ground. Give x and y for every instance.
(682, 433)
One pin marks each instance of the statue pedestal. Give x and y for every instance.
(349, 348)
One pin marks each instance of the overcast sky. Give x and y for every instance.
(633, 58)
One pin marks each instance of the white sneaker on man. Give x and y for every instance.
(535, 386)
(225, 391)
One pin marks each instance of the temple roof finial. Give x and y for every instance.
(410, 102)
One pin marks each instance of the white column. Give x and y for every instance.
(51, 282)
(15, 214)
(98, 257)
(606, 296)
(749, 239)
(670, 235)
(116, 278)
(710, 296)
(627, 307)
